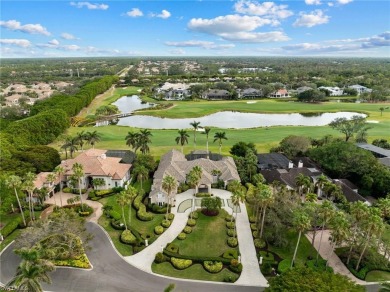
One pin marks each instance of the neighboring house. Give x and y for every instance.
(217, 94)
(281, 93)
(350, 191)
(250, 93)
(40, 182)
(177, 94)
(377, 151)
(333, 91)
(360, 89)
(105, 164)
(272, 161)
(302, 89)
(175, 164)
(385, 161)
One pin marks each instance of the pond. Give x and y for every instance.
(224, 119)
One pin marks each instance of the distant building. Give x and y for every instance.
(333, 91)
(302, 89)
(250, 93)
(350, 191)
(360, 89)
(272, 161)
(281, 93)
(377, 151)
(217, 94)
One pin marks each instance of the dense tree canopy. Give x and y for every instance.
(293, 146)
(240, 148)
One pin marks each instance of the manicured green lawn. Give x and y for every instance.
(207, 239)
(9, 239)
(377, 276)
(196, 272)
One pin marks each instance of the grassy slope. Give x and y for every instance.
(377, 276)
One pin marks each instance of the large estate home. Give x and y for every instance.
(215, 94)
(360, 89)
(175, 164)
(281, 93)
(250, 93)
(110, 165)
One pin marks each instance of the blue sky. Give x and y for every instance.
(352, 28)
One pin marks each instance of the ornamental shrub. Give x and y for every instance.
(255, 234)
(171, 216)
(236, 269)
(267, 256)
(173, 248)
(187, 230)
(10, 227)
(115, 215)
(253, 227)
(252, 219)
(158, 229)
(166, 223)
(191, 222)
(160, 258)
(234, 262)
(284, 265)
(229, 218)
(142, 214)
(230, 225)
(230, 232)
(116, 224)
(232, 242)
(194, 214)
(180, 264)
(128, 237)
(230, 254)
(67, 190)
(259, 242)
(182, 236)
(213, 266)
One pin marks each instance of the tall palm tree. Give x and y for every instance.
(310, 197)
(169, 184)
(78, 173)
(131, 193)
(122, 201)
(219, 136)
(144, 140)
(141, 172)
(51, 178)
(59, 170)
(237, 197)
(182, 138)
(266, 197)
(207, 132)
(302, 181)
(233, 187)
(65, 146)
(373, 225)
(326, 212)
(132, 140)
(14, 182)
(358, 211)
(340, 231)
(72, 145)
(81, 136)
(195, 125)
(93, 138)
(28, 186)
(321, 180)
(302, 223)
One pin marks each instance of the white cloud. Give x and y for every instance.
(27, 28)
(311, 19)
(68, 36)
(313, 2)
(16, 42)
(266, 9)
(70, 48)
(91, 6)
(54, 42)
(135, 12)
(201, 44)
(330, 4)
(381, 40)
(237, 28)
(177, 52)
(342, 2)
(164, 14)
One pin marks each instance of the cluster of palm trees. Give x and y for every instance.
(74, 143)
(126, 198)
(139, 140)
(182, 139)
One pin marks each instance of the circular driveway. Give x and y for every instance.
(111, 273)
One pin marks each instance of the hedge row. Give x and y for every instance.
(197, 259)
(10, 227)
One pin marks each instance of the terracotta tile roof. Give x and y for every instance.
(41, 180)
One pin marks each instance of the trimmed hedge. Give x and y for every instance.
(160, 258)
(236, 268)
(187, 230)
(166, 223)
(230, 225)
(195, 215)
(259, 242)
(252, 219)
(181, 264)
(67, 190)
(10, 227)
(267, 256)
(173, 247)
(197, 259)
(230, 232)
(213, 266)
(142, 214)
(116, 224)
(115, 215)
(229, 218)
(230, 254)
(232, 242)
(254, 227)
(128, 237)
(191, 222)
(284, 265)
(158, 229)
(78, 262)
(182, 236)
(171, 216)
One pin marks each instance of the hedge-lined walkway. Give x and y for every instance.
(250, 275)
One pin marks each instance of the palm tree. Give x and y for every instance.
(59, 170)
(237, 197)
(81, 136)
(333, 190)
(141, 172)
(326, 212)
(169, 184)
(310, 197)
(182, 138)
(14, 182)
(195, 125)
(65, 146)
(51, 178)
(144, 140)
(321, 180)
(28, 186)
(72, 145)
(340, 231)
(266, 197)
(122, 201)
(302, 181)
(207, 132)
(302, 223)
(93, 138)
(78, 173)
(373, 225)
(219, 136)
(132, 140)
(131, 193)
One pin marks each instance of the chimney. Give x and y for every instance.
(300, 164)
(103, 156)
(290, 164)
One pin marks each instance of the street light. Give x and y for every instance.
(260, 260)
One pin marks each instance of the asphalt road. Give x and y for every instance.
(111, 273)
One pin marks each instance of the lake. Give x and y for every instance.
(224, 119)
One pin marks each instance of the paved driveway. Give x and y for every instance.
(111, 273)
